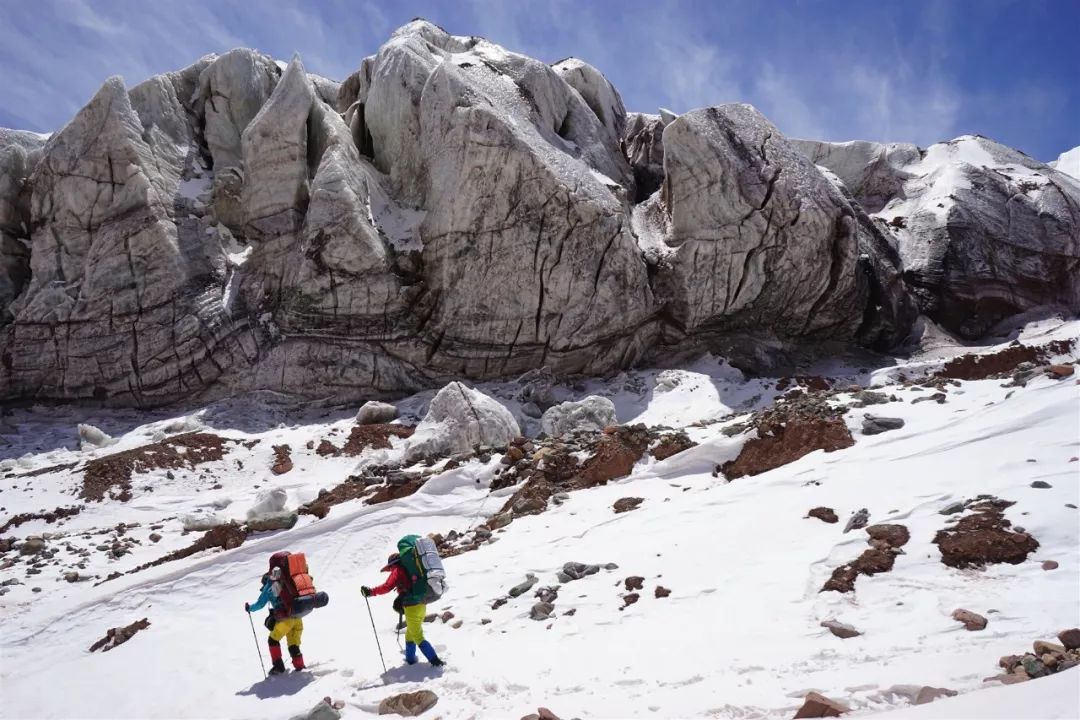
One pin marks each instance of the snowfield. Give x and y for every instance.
(739, 635)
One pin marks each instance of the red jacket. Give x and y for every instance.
(398, 580)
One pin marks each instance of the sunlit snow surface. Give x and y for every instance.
(739, 636)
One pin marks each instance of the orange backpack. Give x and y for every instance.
(296, 582)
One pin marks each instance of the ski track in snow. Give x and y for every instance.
(739, 636)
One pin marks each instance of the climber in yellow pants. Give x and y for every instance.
(290, 628)
(410, 600)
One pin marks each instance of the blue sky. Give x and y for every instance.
(831, 69)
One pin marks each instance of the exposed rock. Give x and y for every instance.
(939, 398)
(376, 437)
(524, 586)
(408, 704)
(374, 412)
(893, 536)
(634, 582)
(1002, 362)
(869, 397)
(112, 473)
(119, 636)
(952, 508)
(983, 538)
(824, 514)
(818, 706)
(840, 629)
(661, 592)
(33, 545)
(971, 621)
(857, 520)
(629, 599)
(282, 460)
(671, 444)
(458, 419)
(929, 694)
(786, 433)
(284, 520)
(876, 424)
(576, 571)
(644, 147)
(615, 456)
(592, 414)
(1062, 371)
(1050, 565)
(541, 611)
(325, 709)
(1070, 639)
(627, 503)
(1041, 485)
(50, 517)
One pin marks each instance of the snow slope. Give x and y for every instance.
(739, 636)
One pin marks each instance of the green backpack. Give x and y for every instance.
(421, 561)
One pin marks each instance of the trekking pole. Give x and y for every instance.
(376, 632)
(257, 648)
(399, 616)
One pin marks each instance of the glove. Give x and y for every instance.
(247, 607)
(365, 591)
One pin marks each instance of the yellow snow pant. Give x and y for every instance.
(414, 623)
(291, 628)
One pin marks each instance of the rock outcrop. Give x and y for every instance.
(453, 210)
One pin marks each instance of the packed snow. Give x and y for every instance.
(739, 636)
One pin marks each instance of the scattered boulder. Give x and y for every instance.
(863, 398)
(1062, 371)
(819, 706)
(627, 504)
(1070, 639)
(629, 599)
(284, 520)
(672, 444)
(857, 520)
(876, 424)
(634, 582)
(1050, 565)
(201, 521)
(885, 544)
(661, 592)
(458, 419)
(1041, 485)
(952, 508)
(576, 571)
(524, 586)
(592, 414)
(282, 460)
(374, 412)
(33, 545)
(824, 514)
(971, 620)
(119, 636)
(840, 629)
(939, 398)
(408, 704)
(929, 694)
(541, 611)
(325, 709)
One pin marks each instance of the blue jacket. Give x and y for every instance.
(268, 594)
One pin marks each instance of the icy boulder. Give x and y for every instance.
(270, 501)
(459, 419)
(1069, 163)
(269, 512)
(594, 413)
(201, 520)
(374, 412)
(91, 438)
